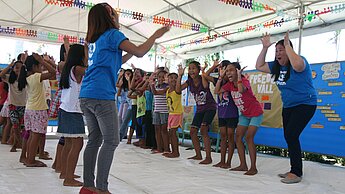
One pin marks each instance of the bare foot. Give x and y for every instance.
(45, 157)
(195, 158)
(76, 176)
(62, 176)
(240, 168)
(172, 155)
(251, 172)
(226, 166)
(206, 161)
(156, 152)
(128, 142)
(13, 149)
(72, 183)
(35, 164)
(57, 170)
(22, 160)
(54, 166)
(219, 164)
(136, 143)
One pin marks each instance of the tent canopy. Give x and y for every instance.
(222, 26)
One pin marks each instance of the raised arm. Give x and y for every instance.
(180, 87)
(141, 50)
(296, 61)
(240, 86)
(4, 71)
(51, 71)
(261, 64)
(218, 88)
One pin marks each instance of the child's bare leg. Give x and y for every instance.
(41, 153)
(196, 144)
(159, 138)
(65, 151)
(207, 143)
(5, 131)
(231, 147)
(165, 138)
(9, 128)
(23, 155)
(57, 162)
(252, 150)
(174, 144)
(72, 159)
(16, 141)
(223, 147)
(32, 150)
(241, 131)
(129, 138)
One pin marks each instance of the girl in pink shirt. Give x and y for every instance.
(251, 114)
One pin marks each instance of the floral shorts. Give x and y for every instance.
(36, 121)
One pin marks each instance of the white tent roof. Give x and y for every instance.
(217, 16)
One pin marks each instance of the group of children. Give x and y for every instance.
(29, 106)
(156, 119)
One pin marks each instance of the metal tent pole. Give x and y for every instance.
(301, 23)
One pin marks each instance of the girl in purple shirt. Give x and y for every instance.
(205, 108)
(227, 116)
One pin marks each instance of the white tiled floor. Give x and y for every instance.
(137, 171)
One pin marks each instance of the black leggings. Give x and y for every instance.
(295, 119)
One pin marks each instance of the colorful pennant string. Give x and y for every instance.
(309, 16)
(249, 4)
(133, 15)
(39, 35)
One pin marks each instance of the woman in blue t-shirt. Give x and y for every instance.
(105, 46)
(292, 74)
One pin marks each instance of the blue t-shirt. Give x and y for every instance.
(149, 100)
(298, 89)
(105, 60)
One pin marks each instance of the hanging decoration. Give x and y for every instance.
(38, 35)
(249, 4)
(71, 3)
(133, 15)
(275, 23)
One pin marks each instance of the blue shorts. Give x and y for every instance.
(250, 121)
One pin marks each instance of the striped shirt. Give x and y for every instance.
(160, 101)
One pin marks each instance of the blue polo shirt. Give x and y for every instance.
(105, 60)
(298, 89)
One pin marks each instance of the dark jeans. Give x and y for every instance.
(295, 119)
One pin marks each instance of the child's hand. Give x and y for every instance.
(239, 72)
(180, 70)
(204, 67)
(266, 40)
(221, 72)
(286, 39)
(216, 63)
(38, 57)
(132, 65)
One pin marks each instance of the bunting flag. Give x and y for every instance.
(275, 23)
(133, 15)
(249, 4)
(38, 35)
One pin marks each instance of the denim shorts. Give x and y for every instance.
(228, 122)
(250, 121)
(160, 118)
(205, 117)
